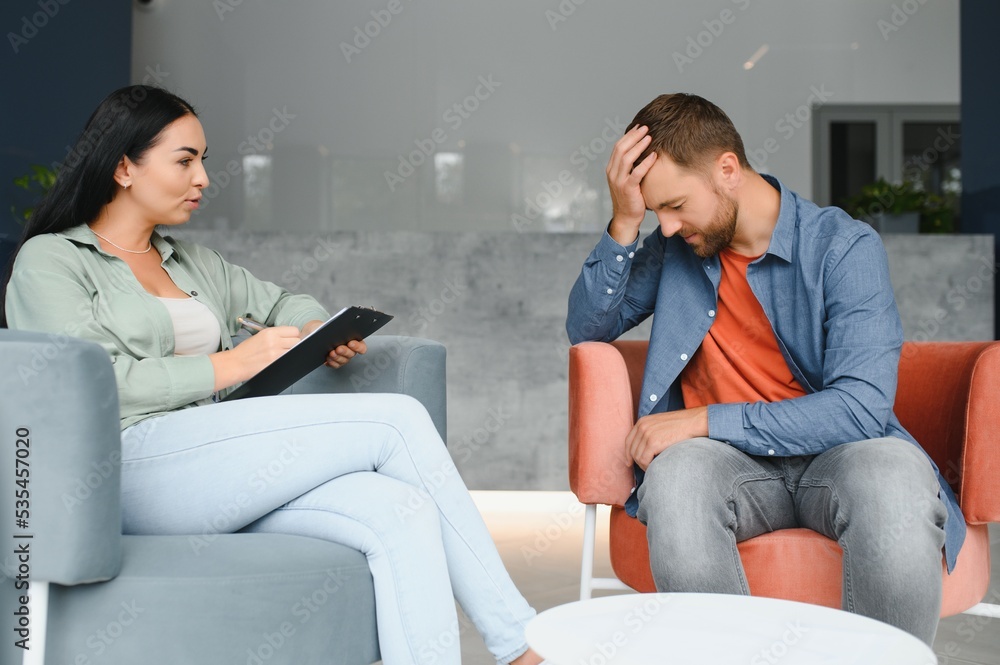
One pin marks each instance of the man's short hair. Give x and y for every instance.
(689, 129)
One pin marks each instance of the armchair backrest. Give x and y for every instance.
(61, 443)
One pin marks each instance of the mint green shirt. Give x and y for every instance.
(66, 285)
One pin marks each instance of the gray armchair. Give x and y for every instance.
(262, 599)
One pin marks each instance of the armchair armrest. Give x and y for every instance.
(60, 407)
(948, 398)
(393, 364)
(980, 496)
(601, 414)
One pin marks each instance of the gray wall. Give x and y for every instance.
(559, 90)
(498, 302)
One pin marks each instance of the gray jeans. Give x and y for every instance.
(878, 499)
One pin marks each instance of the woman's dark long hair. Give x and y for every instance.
(126, 124)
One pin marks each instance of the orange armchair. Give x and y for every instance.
(948, 398)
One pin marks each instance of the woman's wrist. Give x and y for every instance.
(227, 369)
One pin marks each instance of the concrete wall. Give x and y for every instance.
(498, 302)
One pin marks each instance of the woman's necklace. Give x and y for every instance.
(130, 251)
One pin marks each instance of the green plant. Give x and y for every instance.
(36, 182)
(937, 213)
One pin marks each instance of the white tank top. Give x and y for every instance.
(196, 330)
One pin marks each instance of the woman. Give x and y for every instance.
(166, 311)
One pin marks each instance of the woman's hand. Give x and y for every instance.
(252, 355)
(340, 355)
(343, 353)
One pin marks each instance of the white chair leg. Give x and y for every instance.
(38, 607)
(984, 610)
(589, 538)
(587, 580)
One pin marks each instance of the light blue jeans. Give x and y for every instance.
(877, 498)
(365, 470)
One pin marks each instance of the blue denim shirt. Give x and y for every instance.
(823, 284)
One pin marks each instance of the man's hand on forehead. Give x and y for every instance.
(624, 178)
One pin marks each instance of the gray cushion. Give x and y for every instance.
(239, 598)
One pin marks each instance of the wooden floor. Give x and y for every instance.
(540, 542)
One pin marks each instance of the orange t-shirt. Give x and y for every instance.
(739, 360)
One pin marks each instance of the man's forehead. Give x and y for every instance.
(664, 177)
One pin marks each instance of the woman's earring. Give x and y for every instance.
(125, 185)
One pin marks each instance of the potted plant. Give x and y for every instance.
(902, 208)
(36, 182)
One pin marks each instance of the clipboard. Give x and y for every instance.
(350, 323)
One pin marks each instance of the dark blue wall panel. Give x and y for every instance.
(980, 127)
(58, 59)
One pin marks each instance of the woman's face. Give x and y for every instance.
(167, 183)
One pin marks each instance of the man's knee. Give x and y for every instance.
(887, 489)
(884, 467)
(683, 474)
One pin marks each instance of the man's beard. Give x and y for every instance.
(721, 231)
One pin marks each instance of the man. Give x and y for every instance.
(768, 389)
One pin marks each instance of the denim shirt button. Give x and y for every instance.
(711, 312)
(610, 291)
(652, 398)
(684, 356)
(620, 258)
(770, 452)
(631, 255)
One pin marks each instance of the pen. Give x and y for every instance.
(250, 324)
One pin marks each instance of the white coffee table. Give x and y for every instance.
(710, 629)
